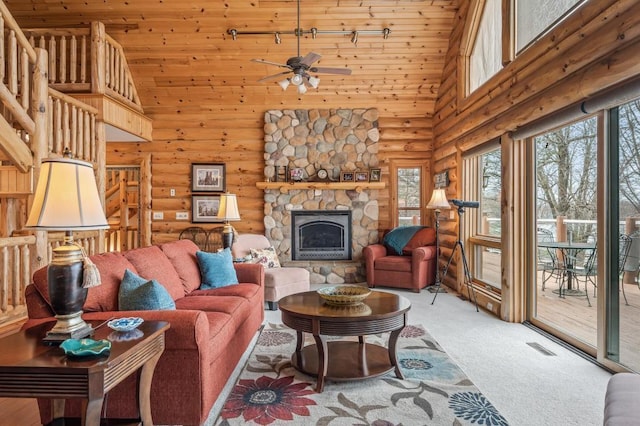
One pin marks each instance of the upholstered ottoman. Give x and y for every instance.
(278, 281)
(621, 406)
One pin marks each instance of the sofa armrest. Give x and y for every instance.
(424, 265)
(374, 251)
(252, 273)
(420, 254)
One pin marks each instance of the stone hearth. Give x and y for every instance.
(336, 140)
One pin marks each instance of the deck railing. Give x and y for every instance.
(87, 60)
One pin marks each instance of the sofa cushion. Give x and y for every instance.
(392, 263)
(182, 255)
(248, 291)
(151, 263)
(216, 269)
(285, 275)
(267, 257)
(137, 293)
(423, 237)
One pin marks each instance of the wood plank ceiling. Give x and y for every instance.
(200, 86)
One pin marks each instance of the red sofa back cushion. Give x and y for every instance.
(151, 263)
(182, 255)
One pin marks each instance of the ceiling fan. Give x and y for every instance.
(300, 67)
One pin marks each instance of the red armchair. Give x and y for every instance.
(414, 269)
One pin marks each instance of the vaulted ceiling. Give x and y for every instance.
(181, 49)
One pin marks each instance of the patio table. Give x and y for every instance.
(569, 252)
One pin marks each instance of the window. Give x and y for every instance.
(408, 194)
(484, 184)
(486, 55)
(534, 17)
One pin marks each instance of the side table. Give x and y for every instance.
(30, 368)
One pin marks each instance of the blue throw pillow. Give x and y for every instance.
(216, 269)
(139, 294)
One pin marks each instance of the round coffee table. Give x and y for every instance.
(381, 312)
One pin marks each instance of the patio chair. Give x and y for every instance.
(547, 258)
(631, 260)
(588, 270)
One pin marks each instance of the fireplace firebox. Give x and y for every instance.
(321, 235)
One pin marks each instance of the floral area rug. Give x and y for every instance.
(435, 390)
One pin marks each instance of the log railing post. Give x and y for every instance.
(98, 58)
(39, 143)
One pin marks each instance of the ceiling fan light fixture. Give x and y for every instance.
(302, 89)
(297, 79)
(314, 82)
(284, 83)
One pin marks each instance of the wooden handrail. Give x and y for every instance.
(22, 39)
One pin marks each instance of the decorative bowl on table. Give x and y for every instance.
(85, 347)
(344, 295)
(125, 324)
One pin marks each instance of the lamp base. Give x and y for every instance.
(68, 327)
(227, 236)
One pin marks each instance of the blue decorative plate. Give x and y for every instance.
(125, 324)
(85, 347)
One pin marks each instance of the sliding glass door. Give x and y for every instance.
(586, 227)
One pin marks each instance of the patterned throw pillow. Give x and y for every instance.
(267, 257)
(216, 269)
(139, 294)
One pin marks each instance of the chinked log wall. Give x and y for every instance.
(594, 48)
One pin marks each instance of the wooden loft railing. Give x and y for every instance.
(86, 60)
(91, 66)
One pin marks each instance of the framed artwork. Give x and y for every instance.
(347, 176)
(362, 176)
(208, 177)
(204, 208)
(296, 174)
(374, 175)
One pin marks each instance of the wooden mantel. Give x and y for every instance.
(288, 186)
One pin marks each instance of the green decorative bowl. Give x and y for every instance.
(85, 347)
(344, 295)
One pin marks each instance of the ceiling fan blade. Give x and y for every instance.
(343, 71)
(310, 58)
(274, 76)
(262, 61)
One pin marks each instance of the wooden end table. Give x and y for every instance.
(381, 312)
(30, 368)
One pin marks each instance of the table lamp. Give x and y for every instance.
(66, 199)
(228, 211)
(438, 202)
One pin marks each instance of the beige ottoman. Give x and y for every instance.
(278, 282)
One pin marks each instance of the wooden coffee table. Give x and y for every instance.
(381, 312)
(31, 369)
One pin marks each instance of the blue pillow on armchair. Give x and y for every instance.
(216, 269)
(139, 294)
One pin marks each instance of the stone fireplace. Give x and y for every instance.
(321, 235)
(336, 140)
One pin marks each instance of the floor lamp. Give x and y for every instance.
(67, 199)
(438, 202)
(228, 211)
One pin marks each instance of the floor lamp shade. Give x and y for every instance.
(228, 211)
(438, 200)
(67, 199)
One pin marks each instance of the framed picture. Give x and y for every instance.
(347, 176)
(208, 177)
(296, 174)
(374, 175)
(204, 208)
(362, 176)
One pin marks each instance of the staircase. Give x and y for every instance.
(59, 88)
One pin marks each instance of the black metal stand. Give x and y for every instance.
(465, 264)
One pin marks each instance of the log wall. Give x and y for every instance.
(594, 49)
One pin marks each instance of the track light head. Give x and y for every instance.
(354, 37)
(234, 33)
(278, 40)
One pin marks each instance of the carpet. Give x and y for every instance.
(435, 390)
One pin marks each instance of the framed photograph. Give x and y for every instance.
(347, 176)
(374, 175)
(204, 208)
(296, 175)
(362, 176)
(208, 177)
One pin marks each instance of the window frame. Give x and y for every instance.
(425, 181)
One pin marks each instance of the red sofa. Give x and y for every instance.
(210, 329)
(414, 269)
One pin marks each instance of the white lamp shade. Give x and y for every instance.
(284, 83)
(228, 209)
(66, 197)
(302, 89)
(438, 200)
(314, 82)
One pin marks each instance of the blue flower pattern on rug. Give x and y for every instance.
(473, 406)
(435, 390)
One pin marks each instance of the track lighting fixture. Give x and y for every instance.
(385, 32)
(278, 40)
(354, 37)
